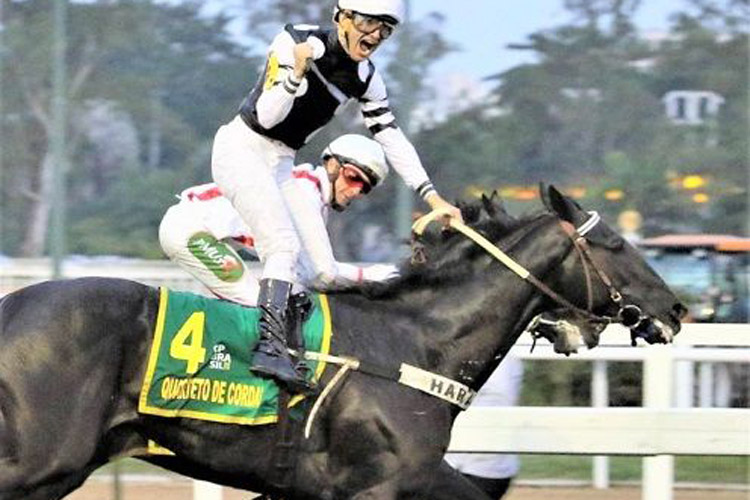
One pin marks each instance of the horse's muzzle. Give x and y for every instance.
(653, 331)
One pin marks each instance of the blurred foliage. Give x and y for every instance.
(589, 117)
(150, 82)
(137, 202)
(569, 383)
(692, 469)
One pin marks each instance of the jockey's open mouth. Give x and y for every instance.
(368, 44)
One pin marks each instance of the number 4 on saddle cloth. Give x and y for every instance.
(198, 366)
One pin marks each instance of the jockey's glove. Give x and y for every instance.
(380, 272)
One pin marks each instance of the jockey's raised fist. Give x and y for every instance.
(305, 53)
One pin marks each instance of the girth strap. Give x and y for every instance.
(431, 383)
(284, 455)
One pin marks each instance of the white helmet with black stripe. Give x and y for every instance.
(393, 9)
(364, 153)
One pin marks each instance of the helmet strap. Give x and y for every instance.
(347, 43)
(332, 175)
(332, 178)
(344, 39)
(336, 206)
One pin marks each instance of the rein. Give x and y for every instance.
(577, 236)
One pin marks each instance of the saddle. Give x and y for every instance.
(199, 358)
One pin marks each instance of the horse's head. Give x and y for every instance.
(619, 283)
(589, 274)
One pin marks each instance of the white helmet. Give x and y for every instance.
(389, 8)
(362, 152)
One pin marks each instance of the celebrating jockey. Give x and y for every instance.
(201, 232)
(310, 72)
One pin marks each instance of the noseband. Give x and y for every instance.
(628, 315)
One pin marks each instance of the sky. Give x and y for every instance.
(483, 29)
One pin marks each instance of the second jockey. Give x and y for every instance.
(202, 231)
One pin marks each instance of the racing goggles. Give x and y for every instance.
(354, 177)
(367, 24)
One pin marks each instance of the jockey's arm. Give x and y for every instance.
(319, 269)
(399, 151)
(283, 75)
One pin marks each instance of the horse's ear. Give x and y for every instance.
(469, 211)
(494, 206)
(489, 204)
(544, 195)
(558, 203)
(567, 209)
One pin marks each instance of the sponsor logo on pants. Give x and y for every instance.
(217, 256)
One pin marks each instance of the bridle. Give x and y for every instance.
(628, 315)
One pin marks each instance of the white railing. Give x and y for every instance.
(16, 273)
(591, 431)
(656, 431)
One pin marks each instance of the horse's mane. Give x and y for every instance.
(440, 256)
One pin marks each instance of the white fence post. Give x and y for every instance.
(684, 380)
(658, 471)
(723, 386)
(706, 381)
(600, 399)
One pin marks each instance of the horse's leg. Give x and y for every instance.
(54, 490)
(449, 484)
(54, 425)
(51, 453)
(383, 491)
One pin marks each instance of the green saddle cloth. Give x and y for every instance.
(199, 362)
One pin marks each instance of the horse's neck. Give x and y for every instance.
(477, 321)
(472, 331)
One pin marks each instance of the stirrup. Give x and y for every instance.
(283, 371)
(271, 359)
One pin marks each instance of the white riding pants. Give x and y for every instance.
(195, 235)
(250, 170)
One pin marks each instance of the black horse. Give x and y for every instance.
(72, 356)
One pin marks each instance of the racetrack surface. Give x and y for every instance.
(183, 490)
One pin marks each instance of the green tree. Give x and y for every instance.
(574, 100)
(708, 52)
(164, 75)
(589, 113)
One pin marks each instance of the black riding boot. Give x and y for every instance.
(271, 358)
